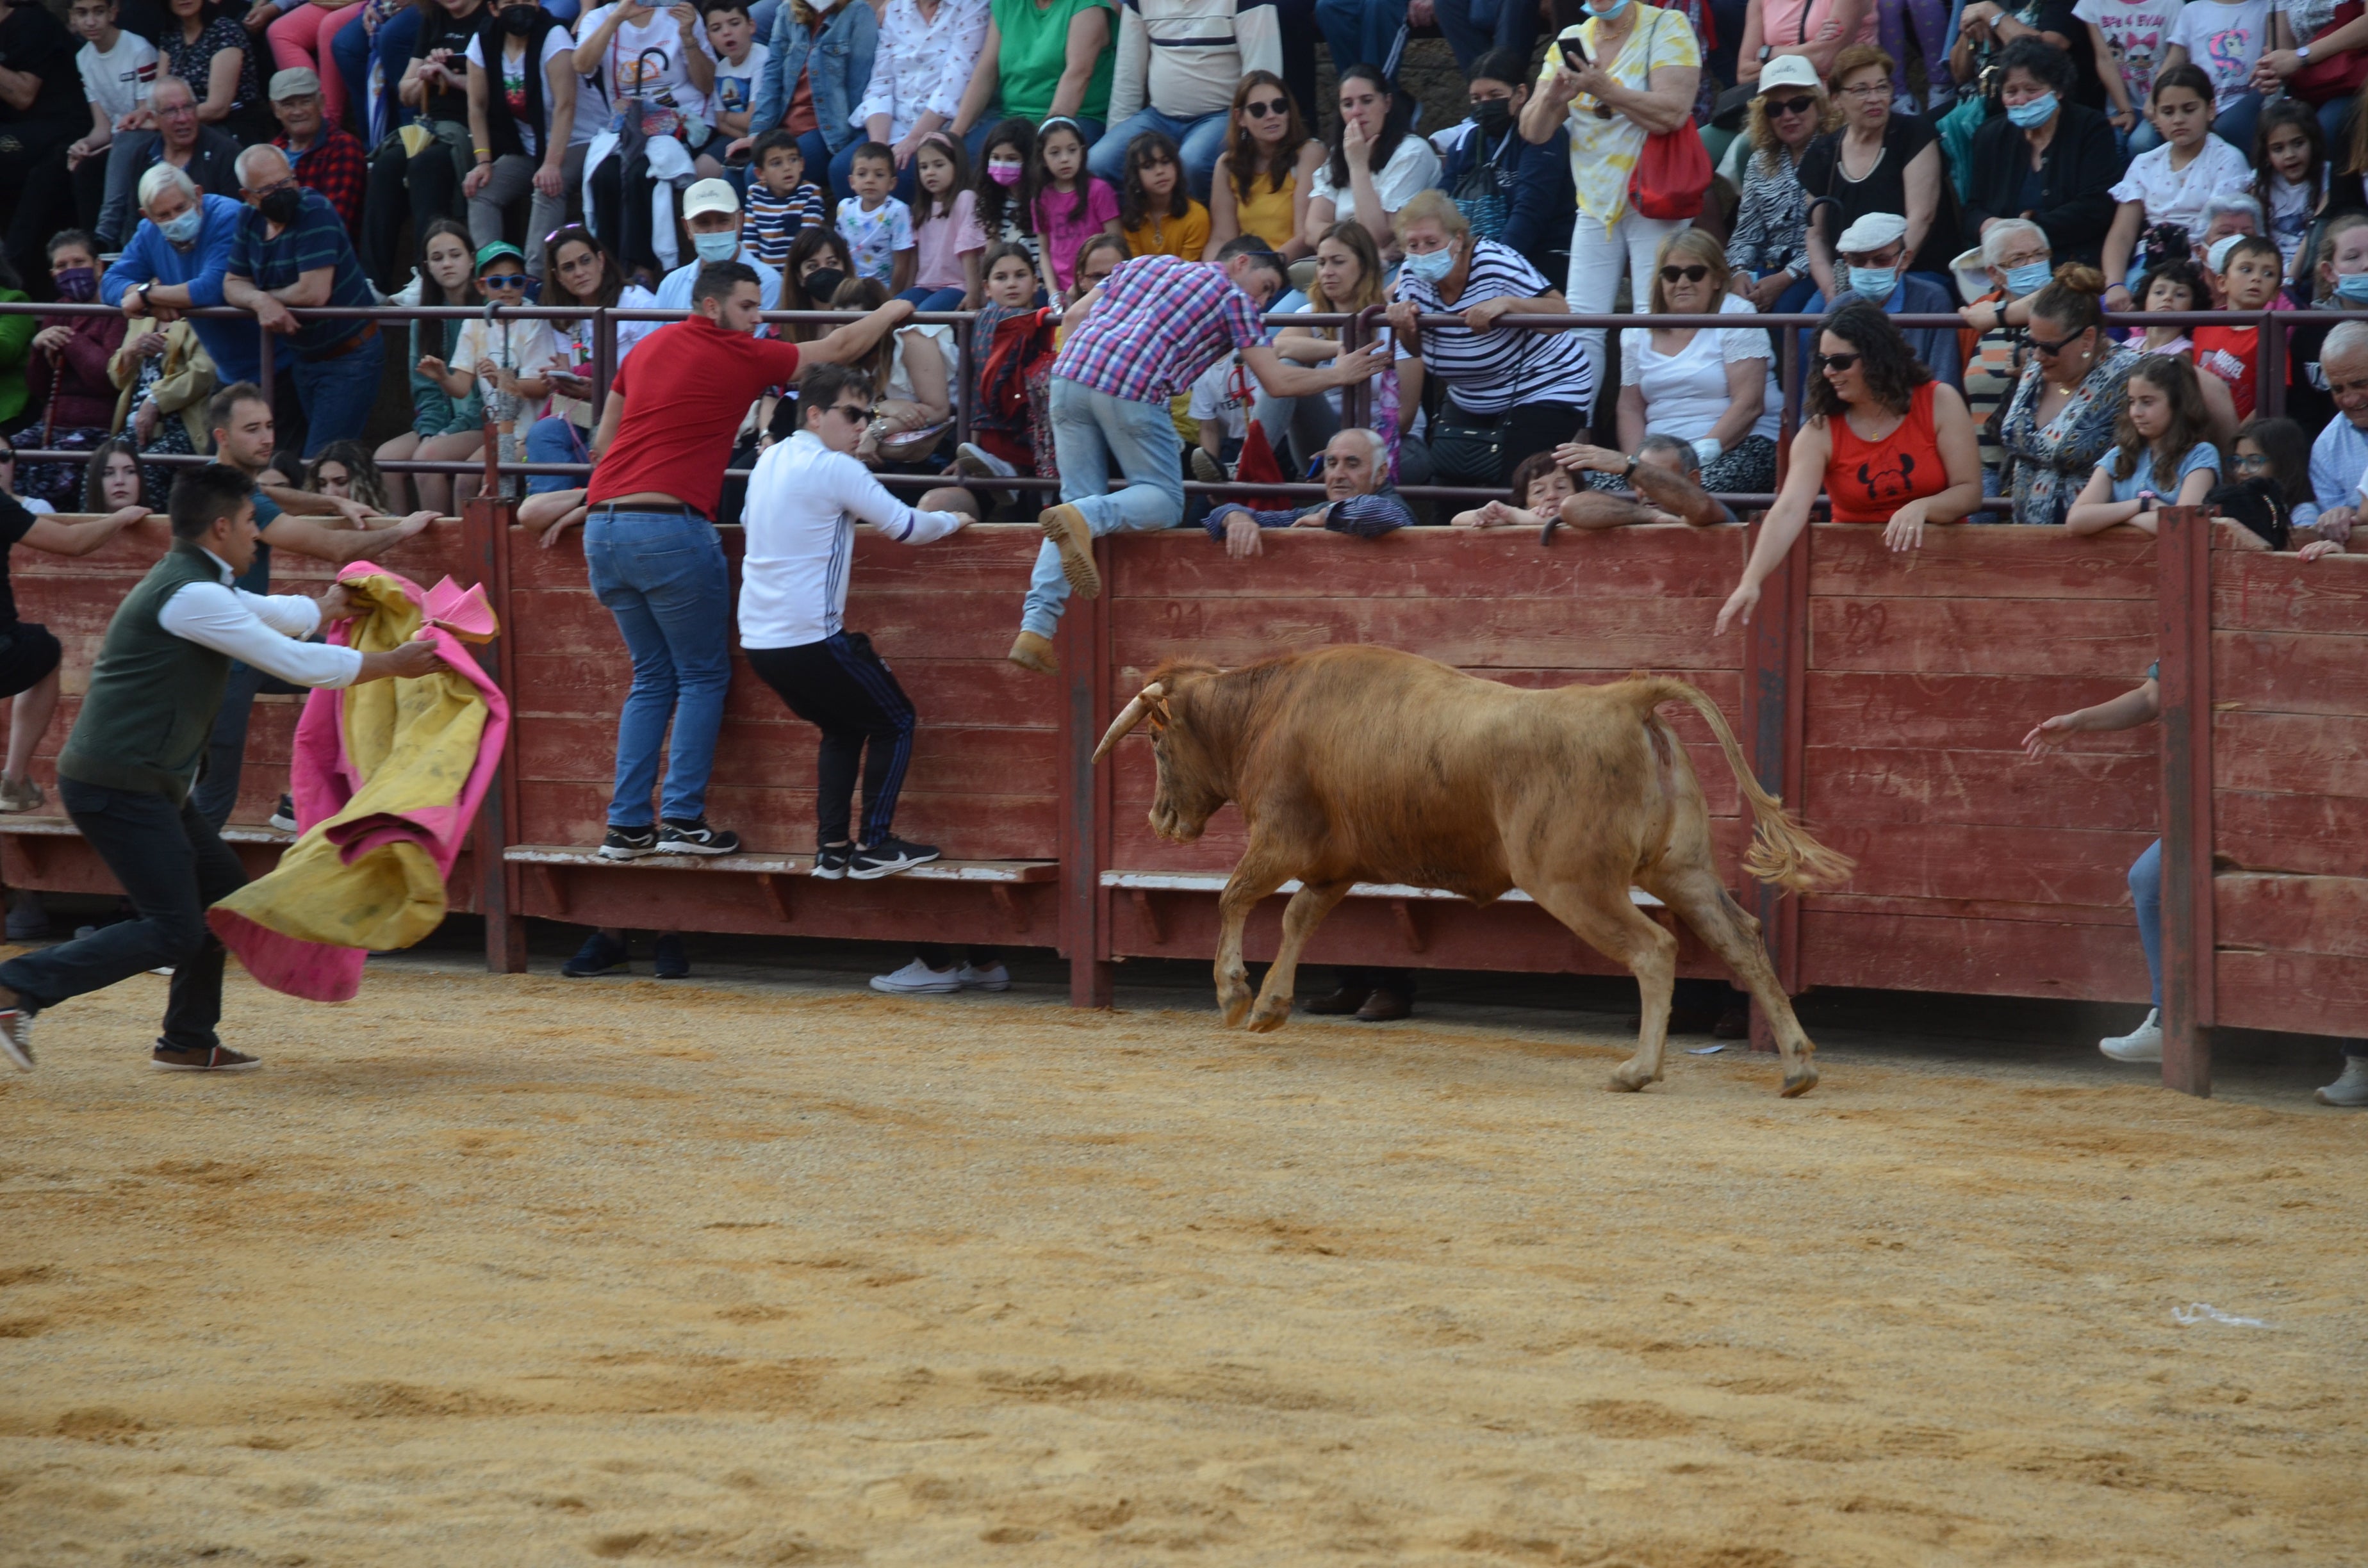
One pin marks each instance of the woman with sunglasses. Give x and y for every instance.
(1885, 442)
(1771, 243)
(1262, 178)
(2060, 419)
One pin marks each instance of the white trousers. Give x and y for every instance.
(1598, 255)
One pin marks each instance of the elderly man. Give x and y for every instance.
(1873, 253)
(203, 153)
(712, 210)
(1664, 477)
(176, 261)
(2339, 458)
(1356, 467)
(2015, 261)
(292, 250)
(326, 158)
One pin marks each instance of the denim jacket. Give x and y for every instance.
(843, 71)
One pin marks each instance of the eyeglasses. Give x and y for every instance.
(8, 457)
(1839, 361)
(1792, 106)
(1265, 107)
(2251, 460)
(502, 280)
(1867, 91)
(2052, 350)
(1686, 274)
(851, 414)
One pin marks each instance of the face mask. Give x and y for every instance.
(2028, 279)
(822, 7)
(80, 284)
(518, 20)
(1607, 15)
(1873, 282)
(2033, 114)
(1493, 116)
(183, 230)
(716, 248)
(1430, 265)
(283, 207)
(823, 282)
(1003, 174)
(2352, 286)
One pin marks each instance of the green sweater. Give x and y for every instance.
(153, 696)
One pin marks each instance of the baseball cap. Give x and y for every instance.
(293, 83)
(710, 196)
(1790, 71)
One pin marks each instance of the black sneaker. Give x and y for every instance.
(629, 843)
(830, 861)
(283, 815)
(888, 856)
(695, 838)
(668, 962)
(600, 954)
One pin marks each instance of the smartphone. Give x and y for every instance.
(1574, 54)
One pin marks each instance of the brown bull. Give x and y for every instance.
(1357, 764)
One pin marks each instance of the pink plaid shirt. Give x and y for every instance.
(1161, 321)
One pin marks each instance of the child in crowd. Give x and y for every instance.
(2224, 39)
(1007, 199)
(2165, 195)
(1157, 215)
(2128, 38)
(2175, 286)
(2279, 452)
(781, 202)
(2162, 453)
(2291, 175)
(739, 62)
(1220, 404)
(2248, 271)
(118, 68)
(1011, 339)
(494, 358)
(878, 227)
(947, 239)
(1071, 205)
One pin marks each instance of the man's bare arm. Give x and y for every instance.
(1676, 493)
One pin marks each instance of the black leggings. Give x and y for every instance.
(840, 685)
(1534, 427)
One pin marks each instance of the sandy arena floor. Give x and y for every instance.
(550, 1272)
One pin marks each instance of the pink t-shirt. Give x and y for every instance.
(943, 241)
(1783, 23)
(1064, 232)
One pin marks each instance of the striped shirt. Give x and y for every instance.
(1491, 371)
(1161, 321)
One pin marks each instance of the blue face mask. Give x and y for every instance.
(1873, 282)
(2028, 279)
(2352, 286)
(716, 248)
(1431, 266)
(1606, 15)
(183, 230)
(2033, 115)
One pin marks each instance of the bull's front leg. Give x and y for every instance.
(1257, 875)
(1306, 911)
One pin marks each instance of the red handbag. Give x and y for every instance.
(2338, 76)
(1673, 174)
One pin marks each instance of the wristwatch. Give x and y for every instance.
(2303, 52)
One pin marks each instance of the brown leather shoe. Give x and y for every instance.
(1033, 652)
(213, 1059)
(1348, 999)
(1385, 1006)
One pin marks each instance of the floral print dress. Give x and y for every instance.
(2047, 464)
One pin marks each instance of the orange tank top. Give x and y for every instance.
(1867, 481)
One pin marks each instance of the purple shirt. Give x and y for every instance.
(1160, 321)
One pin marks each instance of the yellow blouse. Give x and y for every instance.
(1267, 214)
(1187, 236)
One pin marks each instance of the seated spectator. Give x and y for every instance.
(1540, 486)
(1156, 213)
(2061, 417)
(2338, 456)
(1011, 344)
(2162, 453)
(2128, 39)
(1099, 256)
(739, 63)
(2248, 270)
(1356, 500)
(166, 379)
(443, 427)
(1177, 64)
(583, 272)
(2164, 196)
(119, 69)
(2293, 176)
(660, 69)
(418, 175)
(68, 390)
(1006, 191)
(1770, 243)
(291, 249)
(916, 369)
(343, 470)
(30, 655)
(1509, 392)
(2229, 214)
(1511, 190)
(2047, 158)
(831, 72)
(877, 226)
(300, 41)
(710, 208)
(112, 480)
(1884, 441)
(522, 125)
(1362, 31)
(2278, 451)
(2223, 39)
(176, 261)
(1874, 252)
(1349, 278)
(206, 48)
(818, 264)
(2338, 250)
(1877, 162)
(2014, 261)
(1261, 181)
(1023, 69)
(372, 50)
(325, 153)
(507, 360)
(781, 202)
(205, 153)
(1070, 206)
(2177, 285)
(2051, 24)
(947, 239)
(1376, 165)
(1715, 390)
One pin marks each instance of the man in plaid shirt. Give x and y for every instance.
(1146, 333)
(326, 158)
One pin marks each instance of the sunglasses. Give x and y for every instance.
(1792, 106)
(1839, 361)
(2052, 350)
(502, 280)
(851, 414)
(1684, 274)
(1265, 107)
(2251, 460)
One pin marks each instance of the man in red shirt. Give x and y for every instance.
(651, 549)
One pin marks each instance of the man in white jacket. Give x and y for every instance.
(1178, 61)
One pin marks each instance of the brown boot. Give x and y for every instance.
(1033, 652)
(1384, 1007)
(1348, 999)
(1074, 537)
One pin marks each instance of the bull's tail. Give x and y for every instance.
(1782, 851)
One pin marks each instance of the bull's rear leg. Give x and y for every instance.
(1702, 902)
(1604, 917)
(1257, 875)
(1306, 911)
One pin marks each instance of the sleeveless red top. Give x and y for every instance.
(1867, 481)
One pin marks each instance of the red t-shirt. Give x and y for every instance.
(687, 386)
(2233, 354)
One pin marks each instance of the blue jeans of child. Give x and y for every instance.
(934, 298)
(2146, 893)
(1090, 431)
(662, 575)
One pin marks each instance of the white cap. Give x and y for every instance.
(1790, 71)
(1973, 281)
(2216, 258)
(710, 196)
(1873, 232)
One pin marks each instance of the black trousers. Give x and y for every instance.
(422, 189)
(171, 867)
(841, 688)
(621, 208)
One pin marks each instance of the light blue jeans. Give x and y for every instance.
(662, 575)
(1199, 139)
(2146, 893)
(1090, 430)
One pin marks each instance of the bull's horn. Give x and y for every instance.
(1128, 718)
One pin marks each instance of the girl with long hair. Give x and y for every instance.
(2162, 453)
(2291, 174)
(1376, 163)
(111, 479)
(1266, 172)
(1156, 213)
(442, 426)
(343, 470)
(2279, 452)
(1006, 188)
(819, 263)
(584, 272)
(1071, 204)
(946, 231)
(914, 367)
(1349, 278)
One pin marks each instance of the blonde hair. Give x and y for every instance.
(1701, 247)
(1763, 134)
(1434, 207)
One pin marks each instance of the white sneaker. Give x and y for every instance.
(2351, 1089)
(979, 463)
(2142, 1043)
(993, 977)
(917, 979)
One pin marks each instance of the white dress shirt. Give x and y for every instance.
(798, 538)
(261, 630)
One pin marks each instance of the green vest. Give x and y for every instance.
(153, 696)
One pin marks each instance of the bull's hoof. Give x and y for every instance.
(1627, 1078)
(1269, 1016)
(1234, 1005)
(1800, 1083)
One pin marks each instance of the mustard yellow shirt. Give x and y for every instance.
(1187, 236)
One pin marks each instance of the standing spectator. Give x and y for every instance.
(2016, 263)
(1645, 65)
(2127, 40)
(292, 250)
(1261, 180)
(1376, 163)
(658, 68)
(522, 129)
(1472, 30)
(1147, 334)
(1770, 243)
(1509, 392)
(66, 382)
(2060, 420)
(911, 87)
(2224, 39)
(1510, 191)
(425, 184)
(1873, 253)
(325, 154)
(1039, 63)
(175, 261)
(1878, 162)
(947, 239)
(1714, 389)
(300, 41)
(1815, 30)
(119, 69)
(1363, 32)
(2166, 194)
(205, 153)
(1349, 280)
(442, 426)
(1158, 216)
(29, 656)
(2046, 159)
(1178, 61)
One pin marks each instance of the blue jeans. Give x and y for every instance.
(1472, 28)
(361, 54)
(1089, 429)
(934, 298)
(339, 394)
(1200, 138)
(1360, 32)
(662, 575)
(2146, 893)
(349, 50)
(553, 440)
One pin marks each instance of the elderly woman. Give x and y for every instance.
(1643, 66)
(1769, 249)
(823, 70)
(1884, 441)
(1376, 163)
(70, 396)
(1878, 162)
(1261, 183)
(2046, 158)
(2060, 420)
(1509, 392)
(1041, 59)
